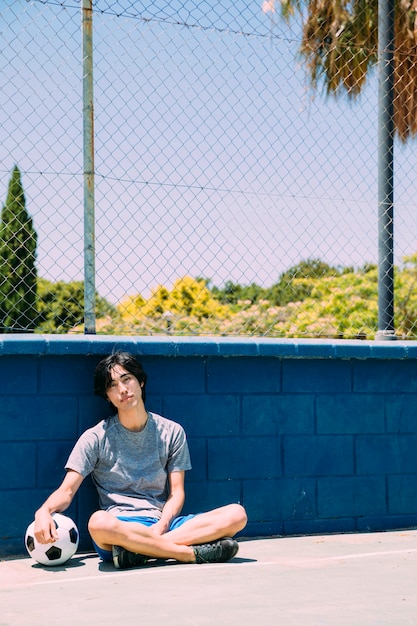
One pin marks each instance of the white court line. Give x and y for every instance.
(366, 554)
(103, 576)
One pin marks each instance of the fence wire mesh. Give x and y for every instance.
(231, 197)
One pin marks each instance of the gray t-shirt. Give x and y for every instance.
(130, 469)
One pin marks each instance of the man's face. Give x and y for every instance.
(124, 391)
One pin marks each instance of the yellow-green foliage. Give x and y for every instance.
(341, 306)
(406, 298)
(188, 306)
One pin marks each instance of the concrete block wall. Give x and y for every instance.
(310, 436)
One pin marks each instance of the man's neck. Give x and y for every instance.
(135, 419)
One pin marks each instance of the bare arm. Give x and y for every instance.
(58, 501)
(174, 504)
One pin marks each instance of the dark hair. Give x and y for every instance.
(102, 374)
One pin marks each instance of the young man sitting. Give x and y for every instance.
(137, 460)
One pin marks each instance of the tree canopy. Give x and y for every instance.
(18, 275)
(340, 47)
(61, 306)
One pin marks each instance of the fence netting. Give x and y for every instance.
(235, 192)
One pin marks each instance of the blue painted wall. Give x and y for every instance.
(310, 436)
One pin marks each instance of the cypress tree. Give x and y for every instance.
(18, 276)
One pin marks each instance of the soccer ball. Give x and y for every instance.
(52, 554)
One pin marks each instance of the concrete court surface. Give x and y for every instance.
(353, 579)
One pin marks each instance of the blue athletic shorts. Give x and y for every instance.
(106, 555)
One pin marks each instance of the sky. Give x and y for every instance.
(213, 157)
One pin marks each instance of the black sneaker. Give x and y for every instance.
(124, 559)
(217, 552)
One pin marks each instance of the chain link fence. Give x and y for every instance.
(231, 197)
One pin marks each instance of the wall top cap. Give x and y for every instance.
(43, 345)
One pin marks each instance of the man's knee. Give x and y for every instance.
(235, 517)
(100, 520)
(239, 515)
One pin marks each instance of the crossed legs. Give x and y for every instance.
(106, 531)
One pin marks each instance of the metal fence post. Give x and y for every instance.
(386, 170)
(88, 151)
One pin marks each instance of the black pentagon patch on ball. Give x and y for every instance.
(53, 553)
(73, 535)
(30, 543)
